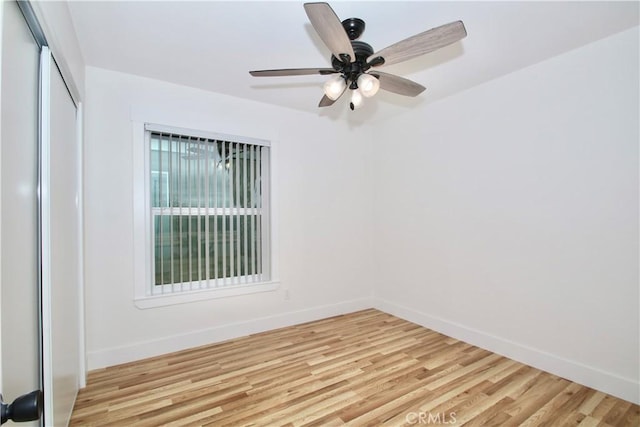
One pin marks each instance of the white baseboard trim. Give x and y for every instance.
(607, 382)
(141, 350)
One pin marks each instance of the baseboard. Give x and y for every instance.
(141, 350)
(607, 382)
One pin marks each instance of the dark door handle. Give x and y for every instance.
(27, 407)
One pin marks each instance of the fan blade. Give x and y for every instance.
(330, 29)
(397, 84)
(292, 72)
(326, 101)
(422, 43)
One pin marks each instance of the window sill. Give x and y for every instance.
(151, 301)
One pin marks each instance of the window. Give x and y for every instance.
(208, 211)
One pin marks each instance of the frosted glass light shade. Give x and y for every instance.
(356, 99)
(334, 87)
(368, 85)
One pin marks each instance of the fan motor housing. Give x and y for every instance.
(354, 27)
(361, 49)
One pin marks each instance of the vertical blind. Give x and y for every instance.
(209, 212)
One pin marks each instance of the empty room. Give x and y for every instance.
(278, 213)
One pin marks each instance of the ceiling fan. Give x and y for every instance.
(355, 61)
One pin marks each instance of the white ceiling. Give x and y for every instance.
(212, 44)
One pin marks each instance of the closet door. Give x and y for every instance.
(61, 243)
(40, 223)
(19, 223)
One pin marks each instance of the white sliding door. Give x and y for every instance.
(19, 225)
(62, 245)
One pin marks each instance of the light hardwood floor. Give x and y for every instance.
(362, 369)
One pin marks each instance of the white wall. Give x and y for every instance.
(322, 182)
(507, 215)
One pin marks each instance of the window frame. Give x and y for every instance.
(144, 295)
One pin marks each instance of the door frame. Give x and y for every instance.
(46, 336)
(2, 6)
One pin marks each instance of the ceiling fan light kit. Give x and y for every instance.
(334, 87)
(356, 99)
(352, 60)
(368, 85)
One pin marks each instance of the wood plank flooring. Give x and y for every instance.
(362, 369)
